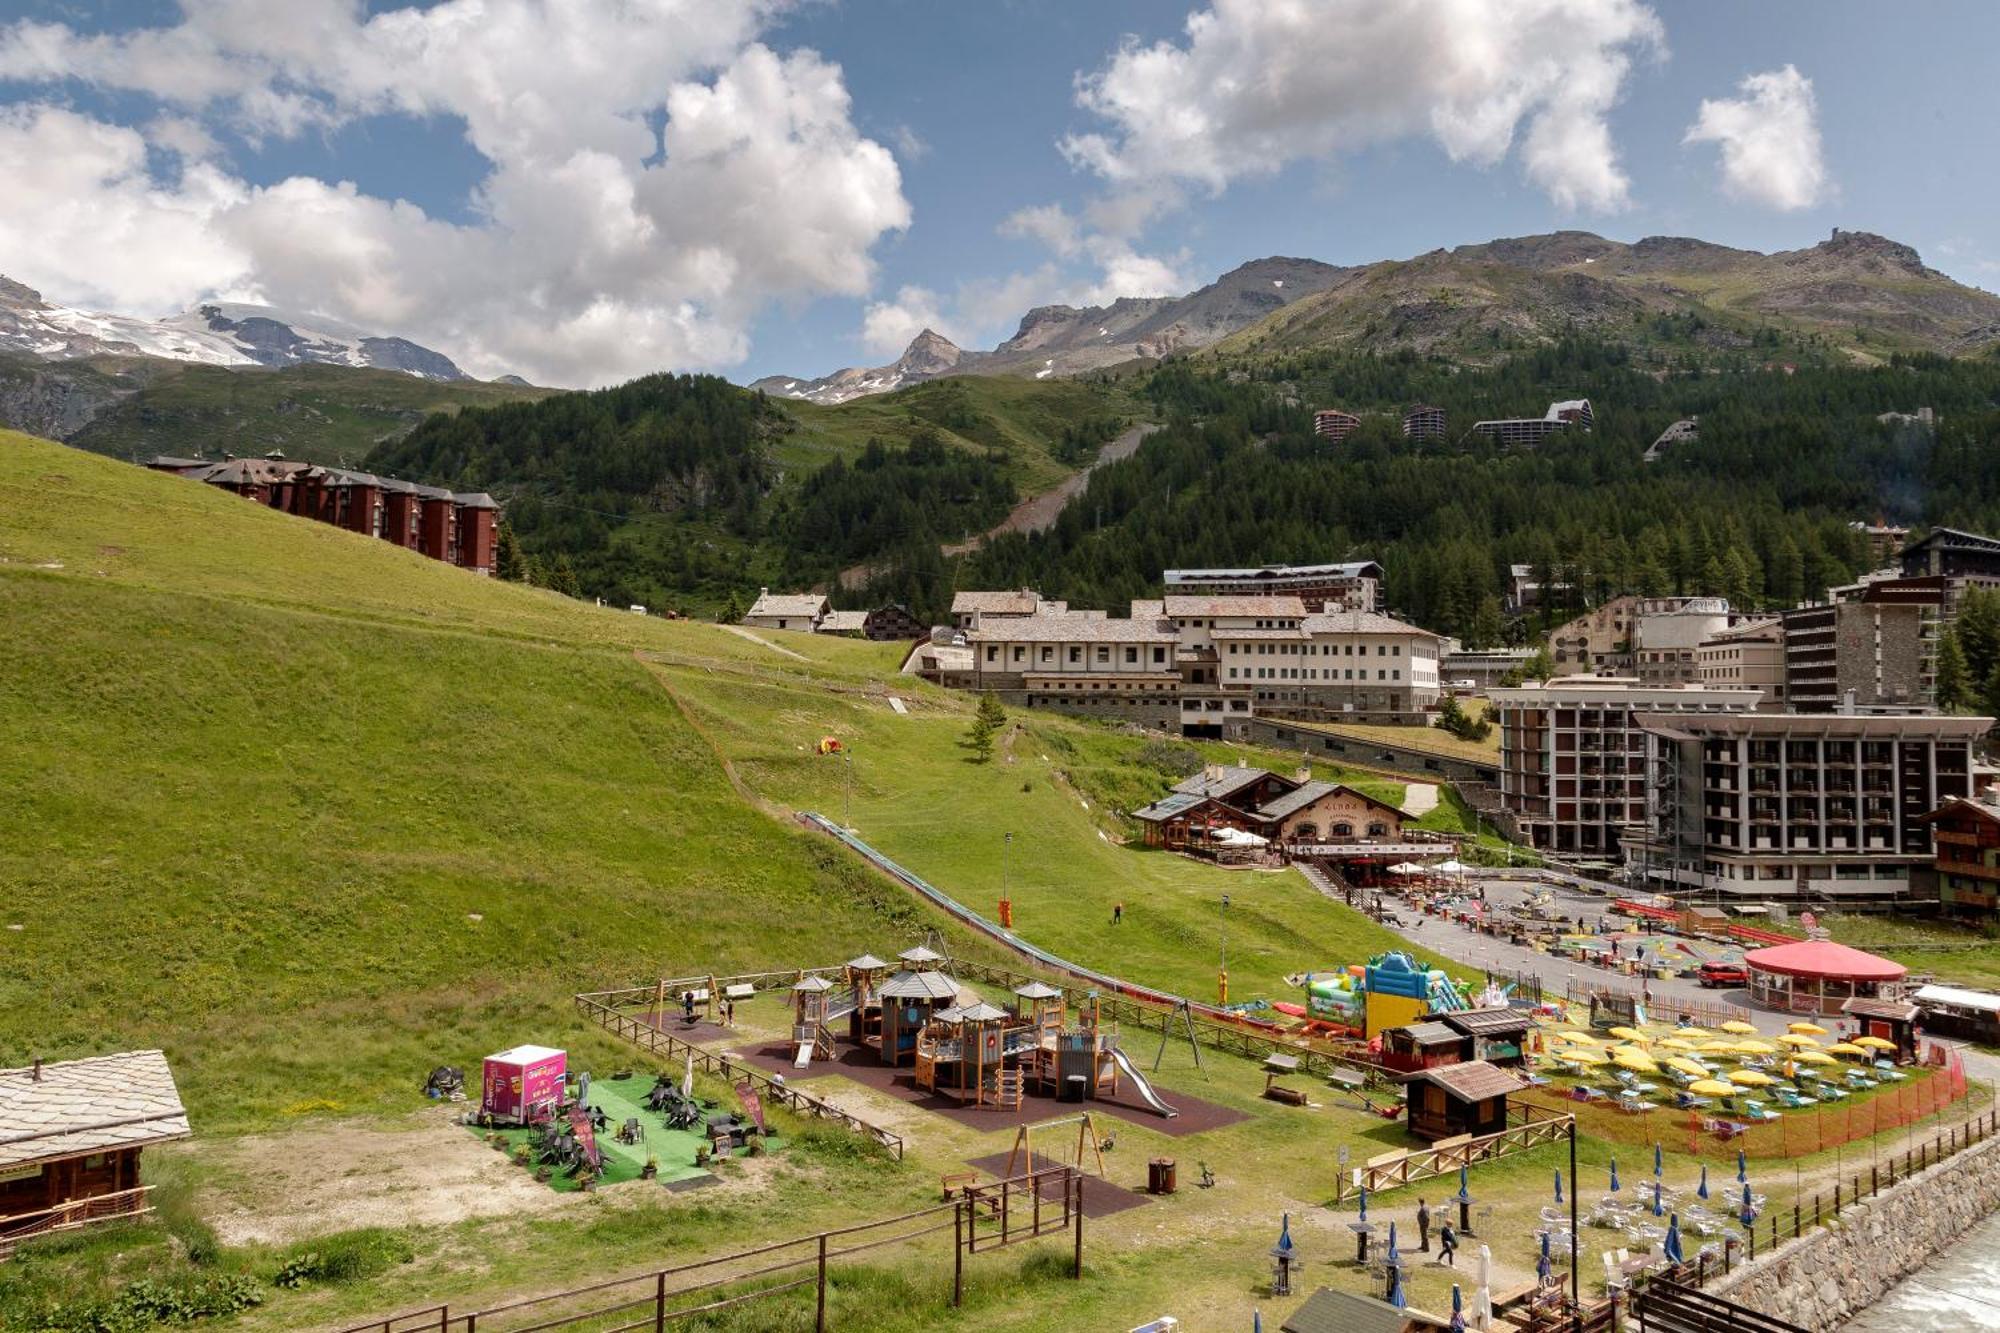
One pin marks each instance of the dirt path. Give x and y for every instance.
(743, 633)
(1037, 513)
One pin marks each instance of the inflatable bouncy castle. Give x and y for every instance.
(1389, 991)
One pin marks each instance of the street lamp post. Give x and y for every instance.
(1222, 973)
(846, 788)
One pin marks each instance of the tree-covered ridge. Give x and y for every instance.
(890, 497)
(1756, 509)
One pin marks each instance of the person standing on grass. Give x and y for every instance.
(1117, 913)
(1423, 1226)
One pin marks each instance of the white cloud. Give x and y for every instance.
(1051, 224)
(1769, 138)
(1259, 84)
(599, 250)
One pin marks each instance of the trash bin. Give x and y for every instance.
(1160, 1176)
(1073, 1086)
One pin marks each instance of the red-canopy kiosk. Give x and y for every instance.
(1818, 976)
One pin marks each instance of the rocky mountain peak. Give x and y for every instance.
(929, 353)
(1870, 249)
(18, 293)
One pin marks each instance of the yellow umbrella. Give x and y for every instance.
(1627, 1058)
(1631, 1034)
(1580, 1038)
(1795, 1039)
(1708, 1087)
(1692, 1034)
(1687, 1066)
(1875, 1043)
(1738, 1025)
(1846, 1048)
(1813, 1028)
(1584, 1055)
(1756, 1047)
(1816, 1058)
(1750, 1078)
(1718, 1047)
(1676, 1044)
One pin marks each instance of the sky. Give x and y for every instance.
(582, 191)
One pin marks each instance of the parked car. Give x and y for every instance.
(1715, 975)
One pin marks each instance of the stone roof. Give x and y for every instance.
(1221, 782)
(1281, 607)
(126, 1100)
(1169, 806)
(1072, 628)
(842, 622)
(1361, 622)
(1018, 602)
(803, 604)
(1348, 569)
(1297, 799)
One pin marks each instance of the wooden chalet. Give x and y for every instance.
(1416, 1046)
(1186, 819)
(1497, 1034)
(1465, 1098)
(1328, 812)
(70, 1137)
(1240, 788)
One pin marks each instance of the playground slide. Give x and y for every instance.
(1445, 997)
(804, 1056)
(1146, 1093)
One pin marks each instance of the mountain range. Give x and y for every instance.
(1860, 294)
(216, 334)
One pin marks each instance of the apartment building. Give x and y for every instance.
(1333, 425)
(1573, 759)
(1345, 662)
(1572, 414)
(1876, 651)
(1126, 669)
(793, 611)
(1666, 641)
(1598, 640)
(1479, 668)
(1748, 656)
(1772, 805)
(1424, 422)
(969, 608)
(1966, 831)
(1885, 539)
(1352, 585)
(1962, 559)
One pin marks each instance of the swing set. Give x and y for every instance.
(1022, 1157)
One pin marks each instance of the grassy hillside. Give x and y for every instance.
(1023, 419)
(314, 813)
(324, 414)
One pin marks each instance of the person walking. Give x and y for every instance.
(1117, 913)
(1423, 1226)
(1447, 1244)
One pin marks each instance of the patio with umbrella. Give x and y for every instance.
(1659, 1161)
(1583, 1055)
(1482, 1295)
(1693, 1034)
(1396, 1296)
(1544, 1267)
(1659, 1208)
(1717, 1047)
(1749, 1212)
(1626, 1057)
(1406, 868)
(1675, 1044)
(1362, 1229)
(1578, 1038)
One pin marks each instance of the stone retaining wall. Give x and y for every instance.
(1835, 1271)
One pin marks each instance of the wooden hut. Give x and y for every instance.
(1465, 1098)
(1425, 1045)
(1498, 1034)
(864, 1025)
(962, 1052)
(70, 1137)
(909, 1000)
(1891, 1020)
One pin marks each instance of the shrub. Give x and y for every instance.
(350, 1256)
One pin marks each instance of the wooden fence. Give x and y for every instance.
(986, 1217)
(1705, 1013)
(603, 1009)
(1533, 1126)
(73, 1214)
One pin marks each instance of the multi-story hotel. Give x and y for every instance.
(1787, 804)
(1876, 651)
(1424, 422)
(1749, 656)
(1352, 585)
(1573, 414)
(1334, 425)
(1573, 760)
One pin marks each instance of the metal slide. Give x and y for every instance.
(1146, 1093)
(805, 1055)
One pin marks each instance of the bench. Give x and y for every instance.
(743, 990)
(956, 1182)
(1281, 1064)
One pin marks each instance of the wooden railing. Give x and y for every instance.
(984, 1217)
(1532, 1127)
(75, 1213)
(1706, 1013)
(601, 1009)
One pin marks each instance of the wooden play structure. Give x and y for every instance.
(963, 1052)
(817, 1005)
(1056, 1150)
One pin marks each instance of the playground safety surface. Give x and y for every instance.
(1101, 1198)
(1195, 1115)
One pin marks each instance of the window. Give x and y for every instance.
(1343, 830)
(1075, 655)
(1020, 653)
(992, 654)
(1378, 829)
(1159, 655)
(1048, 654)
(1104, 656)
(1131, 656)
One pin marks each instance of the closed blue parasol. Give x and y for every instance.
(1659, 1162)
(1285, 1235)
(1742, 1167)
(1256, 1321)
(1701, 1190)
(1672, 1245)
(1393, 1256)
(1544, 1266)
(1396, 1296)
(1559, 1184)
(1457, 1324)
(1658, 1211)
(1614, 1175)
(1749, 1209)
(1464, 1190)
(1364, 1203)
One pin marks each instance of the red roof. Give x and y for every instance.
(1824, 958)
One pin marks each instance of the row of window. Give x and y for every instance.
(1315, 649)
(1313, 673)
(1047, 656)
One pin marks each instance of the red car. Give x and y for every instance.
(1714, 975)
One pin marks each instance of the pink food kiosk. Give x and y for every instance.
(523, 1086)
